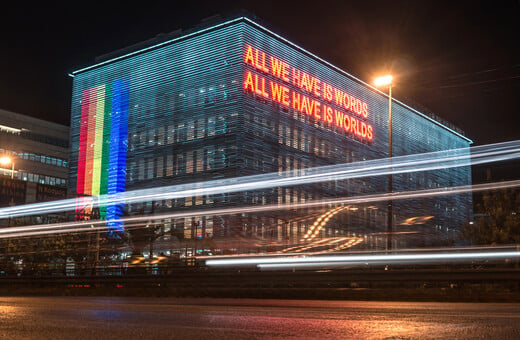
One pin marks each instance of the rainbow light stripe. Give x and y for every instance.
(102, 148)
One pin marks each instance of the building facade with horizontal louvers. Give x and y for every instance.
(235, 99)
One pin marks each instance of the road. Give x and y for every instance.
(167, 318)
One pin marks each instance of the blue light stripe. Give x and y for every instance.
(117, 157)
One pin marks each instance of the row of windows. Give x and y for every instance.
(36, 178)
(269, 227)
(37, 158)
(64, 143)
(207, 127)
(204, 159)
(175, 203)
(307, 142)
(301, 139)
(405, 135)
(210, 158)
(199, 160)
(367, 216)
(281, 195)
(205, 96)
(180, 132)
(43, 159)
(218, 125)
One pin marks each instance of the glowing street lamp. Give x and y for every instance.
(6, 160)
(383, 81)
(386, 81)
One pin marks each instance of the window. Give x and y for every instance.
(180, 164)
(140, 170)
(296, 139)
(221, 125)
(160, 166)
(209, 226)
(211, 126)
(160, 136)
(150, 169)
(133, 171)
(187, 227)
(200, 160)
(201, 128)
(191, 130)
(189, 162)
(211, 95)
(210, 151)
(142, 139)
(181, 133)
(170, 134)
(151, 137)
(169, 165)
(221, 159)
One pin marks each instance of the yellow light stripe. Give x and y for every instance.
(98, 140)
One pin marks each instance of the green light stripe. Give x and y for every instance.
(103, 187)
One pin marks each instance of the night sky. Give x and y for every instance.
(459, 59)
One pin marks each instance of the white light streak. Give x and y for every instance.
(347, 260)
(56, 228)
(10, 129)
(378, 167)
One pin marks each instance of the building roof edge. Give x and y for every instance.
(277, 36)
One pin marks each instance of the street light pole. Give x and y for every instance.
(387, 81)
(390, 188)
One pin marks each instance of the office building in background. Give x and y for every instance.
(33, 159)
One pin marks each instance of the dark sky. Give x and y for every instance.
(459, 59)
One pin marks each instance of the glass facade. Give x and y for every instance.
(234, 100)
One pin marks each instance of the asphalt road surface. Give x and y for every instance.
(165, 318)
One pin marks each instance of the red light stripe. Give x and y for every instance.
(82, 150)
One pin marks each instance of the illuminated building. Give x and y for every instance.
(37, 153)
(235, 99)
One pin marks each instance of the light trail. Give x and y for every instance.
(349, 244)
(316, 227)
(57, 228)
(313, 244)
(436, 250)
(349, 260)
(399, 164)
